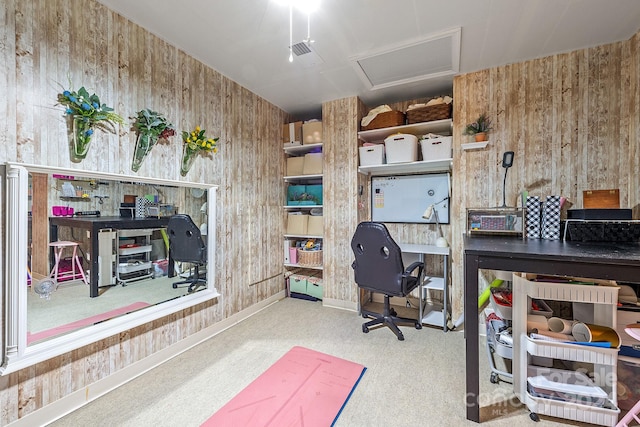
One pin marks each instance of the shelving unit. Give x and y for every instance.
(134, 262)
(377, 136)
(434, 314)
(604, 360)
(289, 239)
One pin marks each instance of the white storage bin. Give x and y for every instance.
(436, 148)
(401, 148)
(564, 385)
(371, 155)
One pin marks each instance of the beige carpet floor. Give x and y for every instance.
(411, 383)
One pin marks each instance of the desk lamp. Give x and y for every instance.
(507, 162)
(432, 211)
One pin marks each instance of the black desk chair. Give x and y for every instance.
(186, 245)
(378, 268)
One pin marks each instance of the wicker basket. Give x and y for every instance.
(309, 258)
(386, 120)
(429, 114)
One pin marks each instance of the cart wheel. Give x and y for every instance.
(534, 417)
(175, 286)
(495, 379)
(365, 329)
(393, 312)
(364, 316)
(418, 325)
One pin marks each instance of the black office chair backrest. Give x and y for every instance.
(185, 240)
(378, 262)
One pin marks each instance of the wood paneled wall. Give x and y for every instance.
(48, 45)
(572, 120)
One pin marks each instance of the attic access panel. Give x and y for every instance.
(435, 56)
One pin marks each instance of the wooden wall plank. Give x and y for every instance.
(571, 118)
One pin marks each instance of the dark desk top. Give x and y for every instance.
(510, 252)
(115, 222)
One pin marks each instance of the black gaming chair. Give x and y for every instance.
(186, 245)
(378, 268)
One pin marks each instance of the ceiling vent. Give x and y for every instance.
(305, 54)
(435, 56)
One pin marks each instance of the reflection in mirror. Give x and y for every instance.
(96, 249)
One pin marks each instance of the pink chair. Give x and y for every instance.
(72, 274)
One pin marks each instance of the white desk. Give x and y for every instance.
(432, 317)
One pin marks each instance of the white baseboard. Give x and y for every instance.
(81, 397)
(336, 303)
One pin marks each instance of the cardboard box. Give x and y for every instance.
(401, 148)
(371, 155)
(312, 133)
(436, 148)
(312, 164)
(295, 166)
(297, 224)
(292, 132)
(315, 225)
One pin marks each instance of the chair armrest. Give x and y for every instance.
(416, 265)
(412, 267)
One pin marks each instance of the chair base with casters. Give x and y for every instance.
(388, 318)
(194, 280)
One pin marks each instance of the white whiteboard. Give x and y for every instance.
(406, 198)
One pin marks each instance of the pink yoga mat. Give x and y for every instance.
(63, 329)
(303, 388)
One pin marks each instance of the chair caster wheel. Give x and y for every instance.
(495, 380)
(393, 312)
(534, 417)
(418, 325)
(175, 286)
(365, 329)
(400, 337)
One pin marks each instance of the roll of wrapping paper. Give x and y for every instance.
(554, 335)
(537, 322)
(588, 332)
(484, 296)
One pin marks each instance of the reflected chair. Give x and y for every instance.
(186, 245)
(378, 268)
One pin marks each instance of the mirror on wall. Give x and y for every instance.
(88, 256)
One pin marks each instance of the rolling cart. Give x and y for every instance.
(134, 258)
(499, 343)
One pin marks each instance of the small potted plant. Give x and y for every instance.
(479, 128)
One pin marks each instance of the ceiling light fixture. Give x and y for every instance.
(307, 7)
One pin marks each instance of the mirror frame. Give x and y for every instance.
(15, 352)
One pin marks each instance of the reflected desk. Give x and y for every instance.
(612, 261)
(93, 225)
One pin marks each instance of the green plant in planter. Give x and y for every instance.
(482, 124)
(150, 127)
